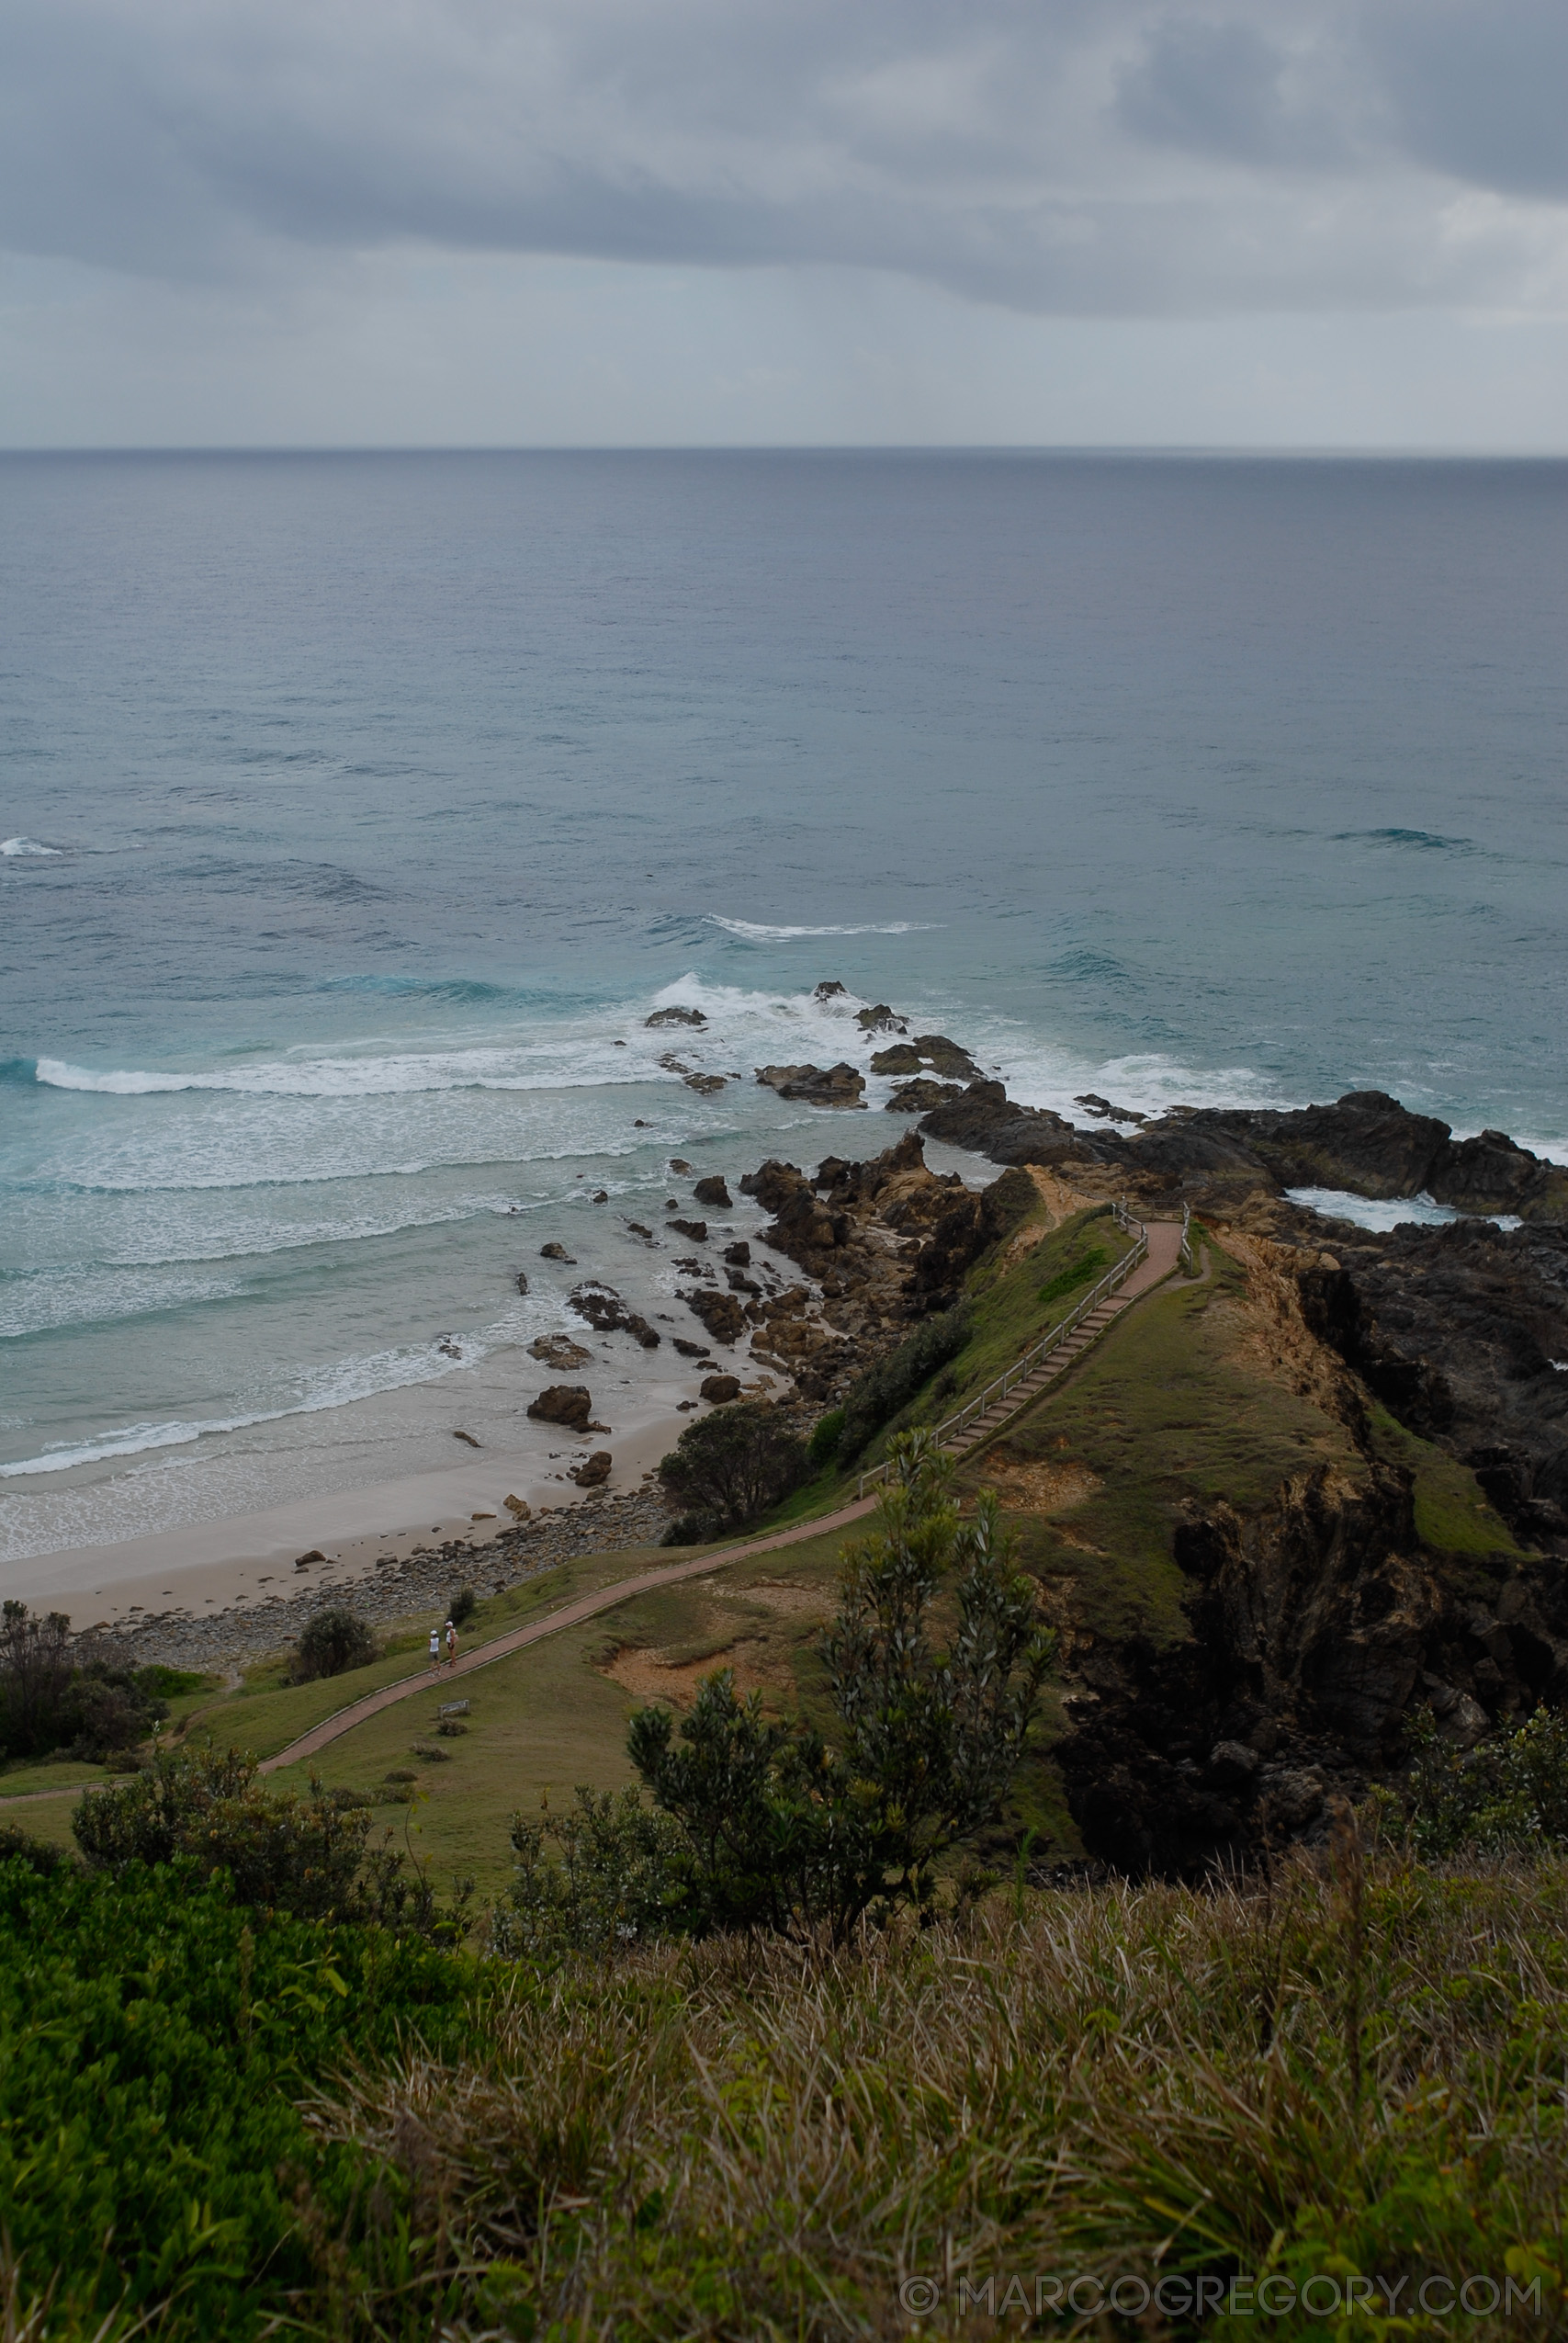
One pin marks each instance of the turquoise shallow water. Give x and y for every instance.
(354, 809)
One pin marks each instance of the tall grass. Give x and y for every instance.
(1357, 2069)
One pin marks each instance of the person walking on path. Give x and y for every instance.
(451, 1646)
(435, 1651)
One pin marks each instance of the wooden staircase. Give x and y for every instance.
(1072, 1346)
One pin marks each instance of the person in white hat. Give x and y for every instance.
(435, 1650)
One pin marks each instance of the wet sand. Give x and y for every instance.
(210, 1565)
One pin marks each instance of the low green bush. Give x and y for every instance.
(826, 1434)
(157, 2038)
(727, 1468)
(889, 1386)
(333, 1642)
(1507, 1796)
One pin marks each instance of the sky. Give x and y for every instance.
(632, 222)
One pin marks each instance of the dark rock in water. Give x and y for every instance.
(704, 1084)
(839, 1085)
(676, 1017)
(566, 1403)
(712, 1191)
(697, 1231)
(985, 1118)
(879, 1020)
(690, 1350)
(557, 1252)
(636, 1228)
(607, 1314)
(721, 1314)
(739, 1255)
(920, 1097)
(1094, 1104)
(944, 1056)
(902, 1058)
(738, 1283)
(466, 1436)
(558, 1351)
(1366, 1143)
(830, 990)
(521, 1277)
(600, 1196)
(678, 1164)
(720, 1388)
(593, 1471)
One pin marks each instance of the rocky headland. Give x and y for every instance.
(1332, 1587)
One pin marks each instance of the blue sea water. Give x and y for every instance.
(355, 812)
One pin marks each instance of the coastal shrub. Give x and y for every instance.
(601, 1876)
(776, 1828)
(61, 1692)
(733, 1465)
(332, 1642)
(1507, 1796)
(461, 1606)
(692, 1529)
(886, 1389)
(826, 1433)
(158, 2039)
(309, 1855)
(39, 1854)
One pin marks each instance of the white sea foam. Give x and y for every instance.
(336, 1386)
(23, 846)
(1381, 1214)
(754, 932)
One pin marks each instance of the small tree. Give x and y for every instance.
(334, 1641)
(779, 1826)
(727, 1468)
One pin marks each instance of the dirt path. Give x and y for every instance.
(1165, 1243)
(1165, 1237)
(570, 1615)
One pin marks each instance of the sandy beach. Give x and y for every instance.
(210, 1566)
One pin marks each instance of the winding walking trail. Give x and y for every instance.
(1165, 1245)
(1163, 1257)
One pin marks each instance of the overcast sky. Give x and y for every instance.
(657, 221)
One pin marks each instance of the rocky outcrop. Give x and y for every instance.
(721, 1314)
(713, 1192)
(719, 1389)
(557, 1252)
(607, 1314)
(879, 1020)
(839, 1085)
(695, 1231)
(1318, 1619)
(983, 1117)
(558, 1351)
(931, 1052)
(594, 1470)
(676, 1017)
(564, 1403)
(1456, 1329)
(919, 1097)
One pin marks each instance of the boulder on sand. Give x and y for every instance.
(720, 1313)
(558, 1351)
(566, 1403)
(593, 1471)
(720, 1388)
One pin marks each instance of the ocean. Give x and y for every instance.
(356, 812)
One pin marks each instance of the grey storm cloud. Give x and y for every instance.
(1107, 157)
